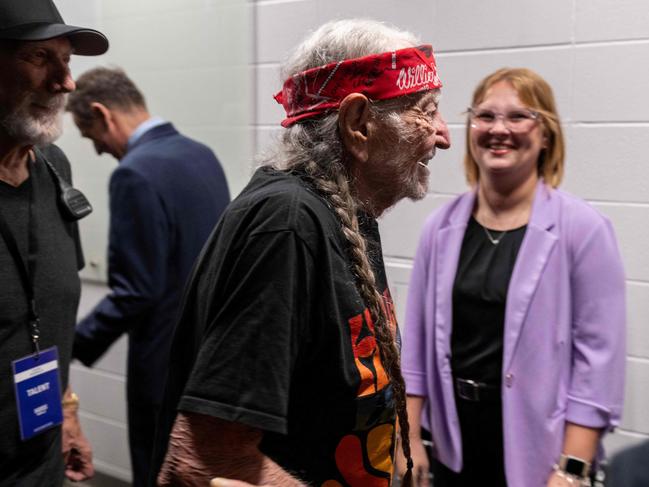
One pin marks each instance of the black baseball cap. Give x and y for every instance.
(39, 20)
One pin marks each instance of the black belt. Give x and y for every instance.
(474, 391)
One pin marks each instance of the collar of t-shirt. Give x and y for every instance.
(143, 128)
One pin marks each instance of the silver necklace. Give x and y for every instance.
(494, 241)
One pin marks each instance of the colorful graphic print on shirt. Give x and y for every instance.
(364, 457)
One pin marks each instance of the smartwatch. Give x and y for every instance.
(574, 466)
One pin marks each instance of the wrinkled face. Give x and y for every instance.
(408, 144)
(500, 151)
(103, 137)
(34, 80)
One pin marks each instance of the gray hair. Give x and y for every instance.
(334, 41)
(345, 39)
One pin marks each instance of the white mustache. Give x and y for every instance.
(55, 103)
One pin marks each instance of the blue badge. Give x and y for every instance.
(38, 392)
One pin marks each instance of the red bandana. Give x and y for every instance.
(379, 77)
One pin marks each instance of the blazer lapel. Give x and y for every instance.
(531, 261)
(448, 244)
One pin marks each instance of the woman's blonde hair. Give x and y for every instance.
(537, 95)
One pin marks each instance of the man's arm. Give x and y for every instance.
(203, 447)
(137, 262)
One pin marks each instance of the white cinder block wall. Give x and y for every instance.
(593, 52)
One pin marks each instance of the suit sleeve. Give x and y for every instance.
(413, 355)
(596, 388)
(138, 251)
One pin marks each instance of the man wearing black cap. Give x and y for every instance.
(39, 247)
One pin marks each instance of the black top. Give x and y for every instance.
(273, 334)
(479, 298)
(56, 284)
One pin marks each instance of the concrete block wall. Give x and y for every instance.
(593, 53)
(190, 59)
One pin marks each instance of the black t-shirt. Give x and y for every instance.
(57, 288)
(479, 299)
(273, 334)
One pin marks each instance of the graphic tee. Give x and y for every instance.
(273, 334)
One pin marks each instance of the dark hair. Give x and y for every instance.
(108, 86)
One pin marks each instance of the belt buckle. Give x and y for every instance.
(468, 389)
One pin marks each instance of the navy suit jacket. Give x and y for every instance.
(165, 197)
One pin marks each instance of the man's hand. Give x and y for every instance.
(77, 453)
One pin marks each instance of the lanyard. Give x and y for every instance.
(26, 270)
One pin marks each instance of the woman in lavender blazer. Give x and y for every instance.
(515, 326)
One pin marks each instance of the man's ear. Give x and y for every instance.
(353, 117)
(102, 113)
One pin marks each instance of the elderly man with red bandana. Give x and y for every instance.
(285, 364)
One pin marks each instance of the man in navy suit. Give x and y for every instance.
(165, 197)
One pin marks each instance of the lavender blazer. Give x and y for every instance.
(564, 335)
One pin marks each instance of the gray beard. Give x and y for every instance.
(26, 129)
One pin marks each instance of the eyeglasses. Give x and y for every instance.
(516, 121)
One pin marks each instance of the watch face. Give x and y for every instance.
(574, 466)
